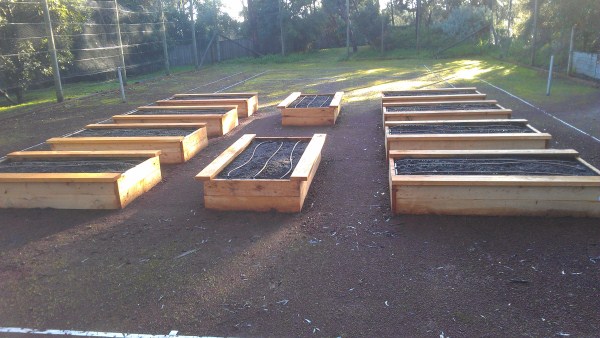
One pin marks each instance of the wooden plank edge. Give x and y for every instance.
(399, 123)
(494, 180)
(86, 154)
(197, 125)
(58, 177)
(310, 155)
(226, 157)
(433, 103)
(293, 96)
(446, 153)
(337, 99)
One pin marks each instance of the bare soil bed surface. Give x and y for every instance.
(344, 266)
(266, 159)
(528, 166)
(427, 93)
(311, 101)
(460, 128)
(69, 166)
(446, 106)
(131, 132)
(179, 112)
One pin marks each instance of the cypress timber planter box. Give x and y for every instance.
(493, 182)
(244, 178)
(463, 135)
(77, 180)
(247, 103)
(310, 110)
(178, 142)
(446, 110)
(219, 120)
(435, 94)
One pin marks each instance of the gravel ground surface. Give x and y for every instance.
(344, 266)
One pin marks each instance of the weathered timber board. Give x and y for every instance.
(174, 149)
(77, 180)
(495, 193)
(218, 121)
(310, 110)
(247, 103)
(286, 194)
(436, 94)
(463, 134)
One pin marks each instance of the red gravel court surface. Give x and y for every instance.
(344, 266)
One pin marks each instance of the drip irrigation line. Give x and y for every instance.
(250, 159)
(268, 160)
(21, 53)
(100, 57)
(291, 161)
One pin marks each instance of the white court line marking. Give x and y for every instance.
(16, 330)
(438, 76)
(133, 110)
(543, 111)
(248, 79)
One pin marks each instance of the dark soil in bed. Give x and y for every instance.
(311, 101)
(445, 106)
(419, 93)
(460, 128)
(130, 132)
(101, 165)
(513, 165)
(266, 159)
(179, 112)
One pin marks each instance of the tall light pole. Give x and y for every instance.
(194, 47)
(52, 51)
(121, 54)
(348, 29)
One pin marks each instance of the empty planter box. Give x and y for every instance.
(463, 134)
(219, 120)
(310, 110)
(247, 103)
(262, 173)
(178, 142)
(493, 182)
(448, 110)
(76, 180)
(436, 94)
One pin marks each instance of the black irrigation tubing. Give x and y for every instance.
(250, 159)
(439, 77)
(291, 160)
(268, 160)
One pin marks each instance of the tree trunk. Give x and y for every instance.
(20, 93)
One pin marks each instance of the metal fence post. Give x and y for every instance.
(52, 51)
(121, 54)
(550, 75)
(121, 85)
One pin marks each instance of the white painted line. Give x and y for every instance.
(438, 76)
(17, 330)
(248, 79)
(543, 111)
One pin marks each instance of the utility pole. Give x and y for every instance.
(570, 60)
(52, 51)
(382, 29)
(121, 54)
(281, 29)
(217, 30)
(533, 41)
(164, 38)
(194, 47)
(509, 18)
(417, 22)
(348, 29)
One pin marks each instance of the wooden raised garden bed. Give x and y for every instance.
(493, 182)
(247, 103)
(262, 173)
(435, 94)
(310, 110)
(447, 110)
(219, 120)
(178, 142)
(76, 180)
(463, 134)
